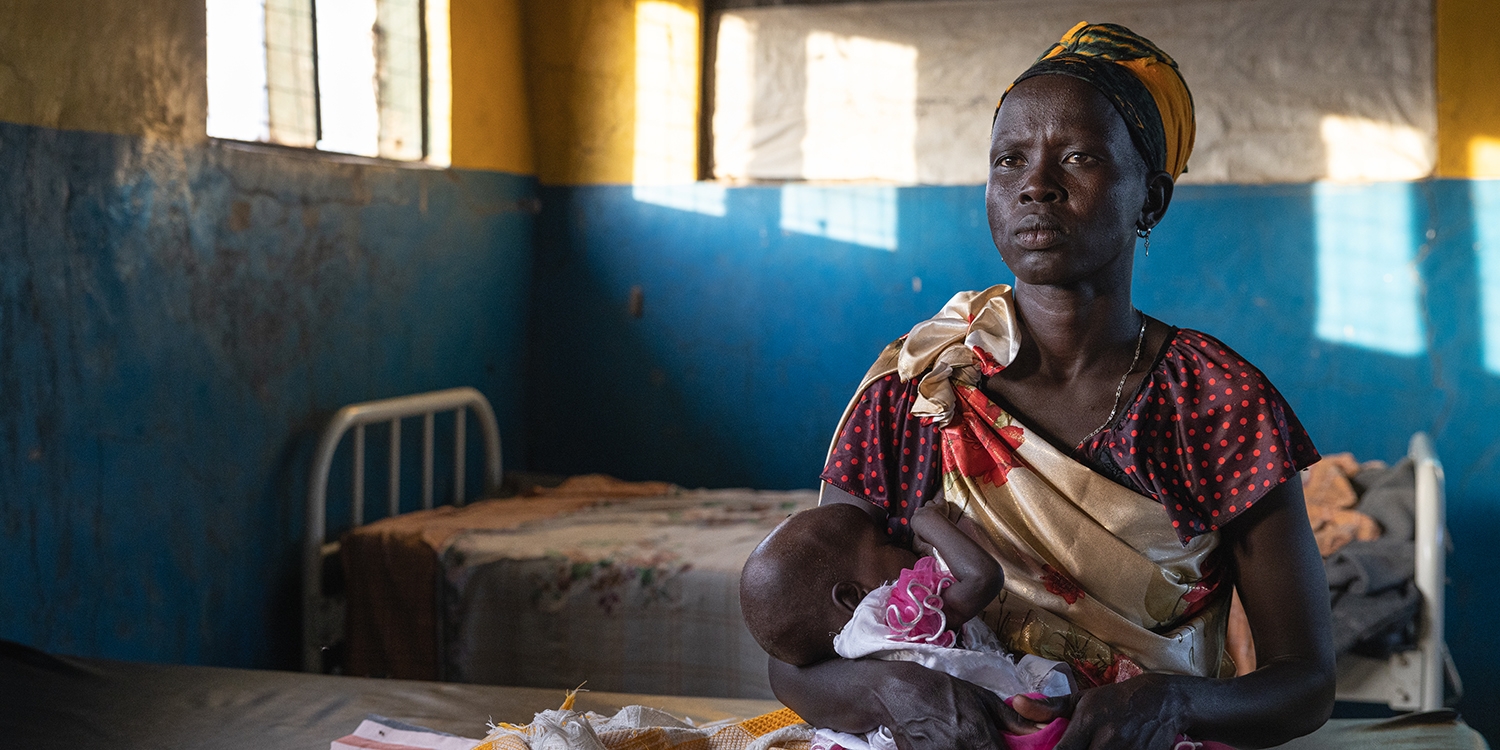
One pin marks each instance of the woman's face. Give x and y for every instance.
(1066, 186)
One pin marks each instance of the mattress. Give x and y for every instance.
(65, 703)
(634, 593)
(51, 702)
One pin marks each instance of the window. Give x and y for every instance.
(366, 77)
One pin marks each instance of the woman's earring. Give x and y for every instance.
(1145, 234)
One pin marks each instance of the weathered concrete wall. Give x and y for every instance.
(755, 334)
(757, 325)
(178, 317)
(175, 324)
(104, 65)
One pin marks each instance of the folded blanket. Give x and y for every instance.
(631, 728)
(643, 728)
(1374, 599)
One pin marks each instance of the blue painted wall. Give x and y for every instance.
(176, 322)
(752, 337)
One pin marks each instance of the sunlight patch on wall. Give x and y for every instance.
(666, 110)
(699, 197)
(1484, 197)
(1360, 149)
(1484, 157)
(238, 105)
(861, 109)
(350, 105)
(859, 214)
(734, 97)
(1368, 285)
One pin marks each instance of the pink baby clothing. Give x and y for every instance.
(904, 621)
(914, 605)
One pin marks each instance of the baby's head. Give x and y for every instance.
(804, 581)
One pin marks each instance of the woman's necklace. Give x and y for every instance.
(1140, 339)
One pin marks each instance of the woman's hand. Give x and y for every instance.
(931, 711)
(1143, 713)
(1280, 579)
(924, 709)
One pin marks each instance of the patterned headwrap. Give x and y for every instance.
(1140, 80)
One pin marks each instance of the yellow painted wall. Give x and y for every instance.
(491, 113)
(139, 68)
(1468, 88)
(581, 75)
(135, 68)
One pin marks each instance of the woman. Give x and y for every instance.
(1127, 474)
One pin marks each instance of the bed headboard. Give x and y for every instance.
(321, 618)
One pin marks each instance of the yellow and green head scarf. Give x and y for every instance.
(1140, 80)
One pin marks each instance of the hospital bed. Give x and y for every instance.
(630, 586)
(508, 591)
(67, 703)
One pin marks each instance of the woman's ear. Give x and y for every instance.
(1159, 186)
(848, 594)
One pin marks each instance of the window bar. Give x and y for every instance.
(395, 491)
(427, 420)
(423, 66)
(316, 73)
(458, 456)
(359, 476)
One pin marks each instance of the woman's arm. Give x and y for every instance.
(978, 576)
(1281, 582)
(923, 708)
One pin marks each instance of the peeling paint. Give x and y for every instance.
(176, 320)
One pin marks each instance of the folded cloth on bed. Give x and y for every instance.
(1331, 498)
(633, 727)
(644, 728)
(1374, 598)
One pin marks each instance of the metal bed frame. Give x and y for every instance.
(1414, 680)
(1408, 681)
(323, 615)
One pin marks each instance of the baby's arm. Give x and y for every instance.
(979, 577)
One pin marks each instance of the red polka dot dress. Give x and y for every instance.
(1206, 435)
(886, 456)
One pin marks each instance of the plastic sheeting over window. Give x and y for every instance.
(905, 91)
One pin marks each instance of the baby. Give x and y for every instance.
(829, 582)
